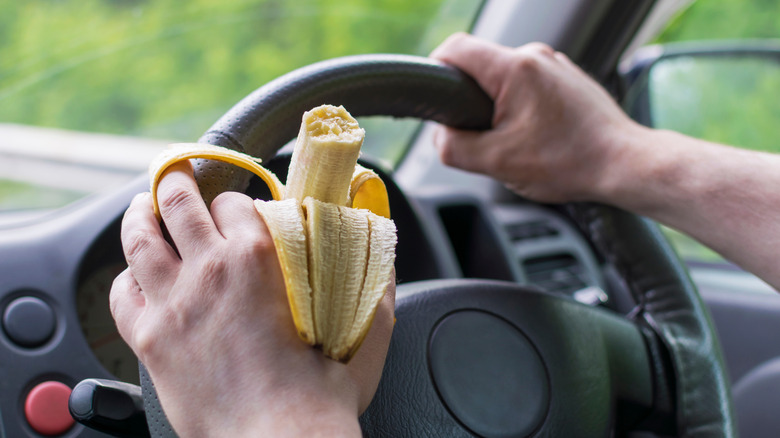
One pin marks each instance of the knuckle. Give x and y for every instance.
(228, 200)
(214, 275)
(255, 251)
(136, 243)
(526, 64)
(458, 37)
(184, 309)
(176, 198)
(540, 48)
(258, 241)
(263, 246)
(506, 163)
(145, 342)
(178, 311)
(447, 154)
(455, 40)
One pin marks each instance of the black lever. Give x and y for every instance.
(112, 407)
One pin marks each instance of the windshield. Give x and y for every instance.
(90, 90)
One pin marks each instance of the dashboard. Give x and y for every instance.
(76, 253)
(65, 263)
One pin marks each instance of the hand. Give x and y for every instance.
(556, 133)
(210, 321)
(558, 136)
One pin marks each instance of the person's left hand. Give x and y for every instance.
(210, 321)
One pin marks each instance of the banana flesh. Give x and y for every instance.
(325, 155)
(330, 226)
(284, 219)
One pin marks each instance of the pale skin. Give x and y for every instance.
(558, 136)
(211, 323)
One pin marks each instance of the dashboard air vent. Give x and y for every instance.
(475, 242)
(561, 273)
(530, 230)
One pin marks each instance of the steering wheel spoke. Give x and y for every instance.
(498, 359)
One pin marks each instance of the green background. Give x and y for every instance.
(730, 101)
(168, 69)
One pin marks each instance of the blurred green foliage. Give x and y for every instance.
(733, 101)
(724, 19)
(730, 100)
(169, 69)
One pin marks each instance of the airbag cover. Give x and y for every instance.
(488, 374)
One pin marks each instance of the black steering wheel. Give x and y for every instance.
(493, 359)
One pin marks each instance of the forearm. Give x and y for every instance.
(727, 198)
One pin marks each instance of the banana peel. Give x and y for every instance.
(330, 225)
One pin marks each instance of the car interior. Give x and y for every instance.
(514, 318)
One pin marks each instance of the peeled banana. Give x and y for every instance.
(330, 225)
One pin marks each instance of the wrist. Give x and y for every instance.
(638, 168)
(286, 416)
(307, 423)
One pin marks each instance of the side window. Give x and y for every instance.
(728, 100)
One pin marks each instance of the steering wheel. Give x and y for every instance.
(493, 359)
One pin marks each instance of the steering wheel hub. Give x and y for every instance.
(489, 374)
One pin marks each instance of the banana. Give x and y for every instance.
(330, 225)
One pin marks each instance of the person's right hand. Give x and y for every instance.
(556, 133)
(208, 316)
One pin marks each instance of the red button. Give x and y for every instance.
(46, 408)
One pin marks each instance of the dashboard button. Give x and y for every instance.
(29, 321)
(46, 408)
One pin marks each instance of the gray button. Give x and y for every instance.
(29, 321)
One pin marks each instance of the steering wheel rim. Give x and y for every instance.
(670, 313)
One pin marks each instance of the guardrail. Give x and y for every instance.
(76, 161)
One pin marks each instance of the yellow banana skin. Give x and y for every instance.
(330, 225)
(178, 152)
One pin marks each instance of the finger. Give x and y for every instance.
(185, 214)
(366, 366)
(536, 48)
(466, 150)
(235, 216)
(148, 255)
(485, 61)
(126, 302)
